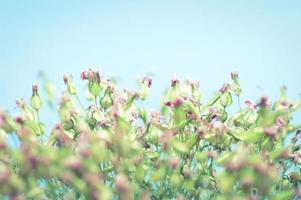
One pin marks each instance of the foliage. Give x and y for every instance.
(115, 149)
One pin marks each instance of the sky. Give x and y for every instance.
(203, 40)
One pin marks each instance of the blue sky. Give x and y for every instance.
(204, 40)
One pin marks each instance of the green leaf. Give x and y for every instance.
(179, 117)
(122, 125)
(179, 146)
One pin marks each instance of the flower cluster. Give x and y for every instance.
(111, 147)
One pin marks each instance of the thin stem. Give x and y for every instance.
(243, 119)
(80, 103)
(239, 103)
(95, 100)
(39, 125)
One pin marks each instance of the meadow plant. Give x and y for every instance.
(115, 149)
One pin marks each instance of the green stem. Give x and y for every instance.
(95, 100)
(81, 105)
(39, 125)
(239, 104)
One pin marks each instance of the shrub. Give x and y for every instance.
(115, 149)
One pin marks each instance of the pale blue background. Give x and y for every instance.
(205, 40)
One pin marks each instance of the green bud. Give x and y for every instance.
(94, 88)
(226, 99)
(142, 114)
(70, 85)
(223, 116)
(106, 101)
(36, 102)
(236, 89)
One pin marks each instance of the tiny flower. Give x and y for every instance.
(97, 76)
(279, 122)
(84, 75)
(121, 183)
(264, 102)
(270, 132)
(34, 89)
(20, 102)
(19, 120)
(173, 162)
(234, 75)
(177, 102)
(66, 79)
(250, 105)
(224, 88)
(147, 81)
(174, 82)
(168, 103)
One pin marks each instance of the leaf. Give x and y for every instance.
(213, 100)
(222, 159)
(35, 127)
(191, 140)
(179, 117)
(158, 174)
(251, 136)
(122, 125)
(179, 146)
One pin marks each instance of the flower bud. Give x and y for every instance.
(106, 101)
(236, 89)
(36, 101)
(70, 85)
(226, 99)
(174, 82)
(94, 81)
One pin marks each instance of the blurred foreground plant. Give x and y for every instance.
(114, 149)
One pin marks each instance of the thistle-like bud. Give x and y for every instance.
(94, 81)
(174, 82)
(236, 86)
(234, 76)
(36, 101)
(70, 85)
(226, 99)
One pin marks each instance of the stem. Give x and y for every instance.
(243, 119)
(239, 103)
(95, 100)
(38, 120)
(80, 103)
